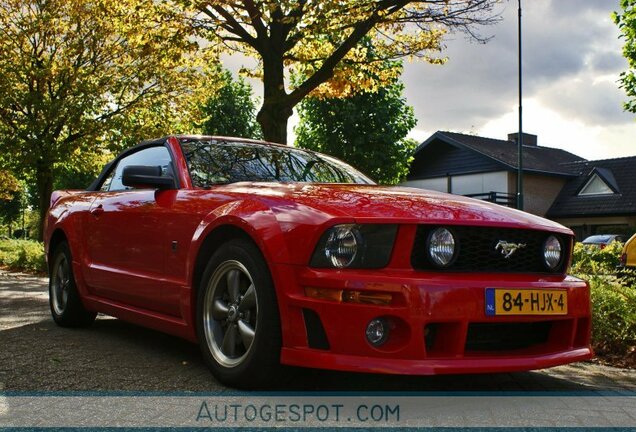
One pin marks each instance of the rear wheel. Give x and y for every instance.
(66, 306)
(238, 324)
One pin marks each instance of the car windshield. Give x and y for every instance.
(220, 162)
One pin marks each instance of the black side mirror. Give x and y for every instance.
(143, 176)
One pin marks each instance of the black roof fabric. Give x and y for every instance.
(535, 158)
(619, 174)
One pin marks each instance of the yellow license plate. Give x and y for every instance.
(504, 301)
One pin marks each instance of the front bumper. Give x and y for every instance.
(439, 324)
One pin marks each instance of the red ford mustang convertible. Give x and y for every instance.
(267, 255)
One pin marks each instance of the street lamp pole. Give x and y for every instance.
(520, 135)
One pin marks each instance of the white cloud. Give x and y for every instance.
(420, 135)
(572, 58)
(568, 133)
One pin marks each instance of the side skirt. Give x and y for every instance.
(164, 323)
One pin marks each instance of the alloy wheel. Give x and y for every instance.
(61, 284)
(230, 312)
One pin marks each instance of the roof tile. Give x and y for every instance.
(535, 158)
(569, 204)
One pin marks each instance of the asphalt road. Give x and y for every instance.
(36, 355)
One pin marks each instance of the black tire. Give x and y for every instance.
(66, 305)
(238, 323)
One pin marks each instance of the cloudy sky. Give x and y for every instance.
(571, 62)
(572, 59)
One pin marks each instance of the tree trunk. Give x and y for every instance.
(273, 119)
(277, 108)
(44, 182)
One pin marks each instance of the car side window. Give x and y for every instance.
(107, 181)
(152, 156)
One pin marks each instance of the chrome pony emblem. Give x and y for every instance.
(507, 249)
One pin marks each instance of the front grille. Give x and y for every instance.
(506, 336)
(477, 252)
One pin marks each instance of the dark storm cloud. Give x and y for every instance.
(567, 7)
(567, 45)
(593, 103)
(608, 62)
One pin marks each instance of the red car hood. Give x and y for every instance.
(395, 204)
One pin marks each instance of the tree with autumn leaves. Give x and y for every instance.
(11, 194)
(82, 77)
(320, 41)
(74, 72)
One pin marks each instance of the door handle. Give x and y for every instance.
(96, 211)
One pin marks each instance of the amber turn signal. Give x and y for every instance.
(346, 296)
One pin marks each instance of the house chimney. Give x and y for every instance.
(528, 139)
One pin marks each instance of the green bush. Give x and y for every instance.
(613, 298)
(25, 255)
(613, 316)
(592, 260)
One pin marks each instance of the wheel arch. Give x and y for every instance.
(213, 240)
(249, 219)
(57, 237)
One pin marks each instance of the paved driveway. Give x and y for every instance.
(37, 355)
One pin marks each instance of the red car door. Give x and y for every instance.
(127, 241)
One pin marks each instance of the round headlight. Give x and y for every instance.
(342, 245)
(552, 252)
(441, 247)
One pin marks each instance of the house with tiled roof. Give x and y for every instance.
(602, 196)
(587, 196)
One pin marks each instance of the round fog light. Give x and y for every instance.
(377, 331)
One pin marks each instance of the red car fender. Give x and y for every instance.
(256, 220)
(250, 216)
(54, 219)
(67, 220)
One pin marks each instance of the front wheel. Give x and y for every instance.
(66, 306)
(238, 324)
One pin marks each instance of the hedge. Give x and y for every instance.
(23, 255)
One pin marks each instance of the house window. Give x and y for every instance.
(480, 183)
(596, 186)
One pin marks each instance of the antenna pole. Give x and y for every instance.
(520, 136)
